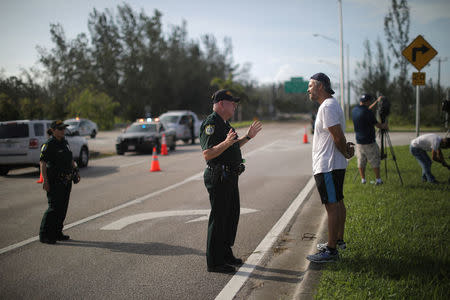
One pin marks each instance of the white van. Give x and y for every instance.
(21, 141)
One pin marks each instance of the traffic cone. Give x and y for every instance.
(41, 179)
(305, 137)
(155, 163)
(164, 145)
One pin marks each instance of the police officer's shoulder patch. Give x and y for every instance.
(209, 129)
(44, 147)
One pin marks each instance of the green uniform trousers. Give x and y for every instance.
(58, 201)
(224, 217)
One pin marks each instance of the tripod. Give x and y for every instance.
(385, 138)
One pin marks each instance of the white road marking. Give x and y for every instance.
(132, 164)
(121, 223)
(244, 272)
(132, 202)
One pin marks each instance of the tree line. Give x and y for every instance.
(128, 67)
(389, 74)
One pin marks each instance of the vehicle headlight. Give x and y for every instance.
(119, 140)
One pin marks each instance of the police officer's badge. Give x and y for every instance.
(209, 129)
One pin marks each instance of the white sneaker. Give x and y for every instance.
(340, 244)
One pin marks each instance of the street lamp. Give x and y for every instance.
(345, 108)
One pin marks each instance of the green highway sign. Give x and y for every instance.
(296, 86)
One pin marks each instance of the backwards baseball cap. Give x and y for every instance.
(365, 98)
(58, 125)
(324, 80)
(224, 95)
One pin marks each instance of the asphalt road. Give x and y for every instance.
(159, 254)
(140, 234)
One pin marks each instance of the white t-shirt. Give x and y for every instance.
(325, 155)
(427, 142)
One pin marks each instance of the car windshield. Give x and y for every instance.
(73, 123)
(142, 128)
(13, 130)
(169, 118)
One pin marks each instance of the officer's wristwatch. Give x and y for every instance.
(248, 138)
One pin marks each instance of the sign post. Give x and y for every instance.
(419, 53)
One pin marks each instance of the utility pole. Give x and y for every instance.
(439, 59)
(341, 49)
(348, 82)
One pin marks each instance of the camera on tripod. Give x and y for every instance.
(446, 106)
(383, 108)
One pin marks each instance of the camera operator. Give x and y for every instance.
(429, 142)
(366, 147)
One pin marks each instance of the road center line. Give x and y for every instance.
(244, 272)
(119, 207)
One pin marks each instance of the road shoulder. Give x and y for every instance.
(287, 274)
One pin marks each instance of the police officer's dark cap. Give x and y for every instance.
(324, 80)
(224, 95)
(58, 125)
(365, 98)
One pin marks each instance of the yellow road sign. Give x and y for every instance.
(418, 78)
(419, 52)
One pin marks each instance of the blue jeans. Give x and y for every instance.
(424, 161)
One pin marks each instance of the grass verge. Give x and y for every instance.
(397, 236)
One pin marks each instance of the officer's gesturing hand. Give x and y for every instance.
(254, 129)
(251, 133)
(231, 137)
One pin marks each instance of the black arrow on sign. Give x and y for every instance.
(422, 49)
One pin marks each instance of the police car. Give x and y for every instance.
(84, 127)
(179, 120)
(21, 141)
(143, 135)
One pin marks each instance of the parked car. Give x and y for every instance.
(143, 135)
(84, 127)
(21, 141)
(178, 120)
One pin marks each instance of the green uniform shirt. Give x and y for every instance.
(213, 131)
(57, 155)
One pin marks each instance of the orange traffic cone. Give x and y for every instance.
(305, 137)
(164, 145)
(41, 179)
(155, 163)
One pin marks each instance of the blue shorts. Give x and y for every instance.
(331, 186)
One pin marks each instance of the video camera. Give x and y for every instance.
(383, 108)
(446, 106)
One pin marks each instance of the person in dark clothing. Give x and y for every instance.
(191, 129)
(57, 168)
(366, 146)
(221, 150)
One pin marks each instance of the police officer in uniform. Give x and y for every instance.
(57, 168)
(221, 150)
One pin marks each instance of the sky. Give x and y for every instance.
(280, 39)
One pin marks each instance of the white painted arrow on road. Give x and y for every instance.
(118, 225)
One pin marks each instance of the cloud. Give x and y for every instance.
(429, 11)
(285, 72)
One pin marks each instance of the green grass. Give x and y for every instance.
(397, 236)
(397, 128)
(241, 124)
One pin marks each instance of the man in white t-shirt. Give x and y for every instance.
(330, 152)
(429, 142)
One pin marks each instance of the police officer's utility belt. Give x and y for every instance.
(64, 177)
(235, 170)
